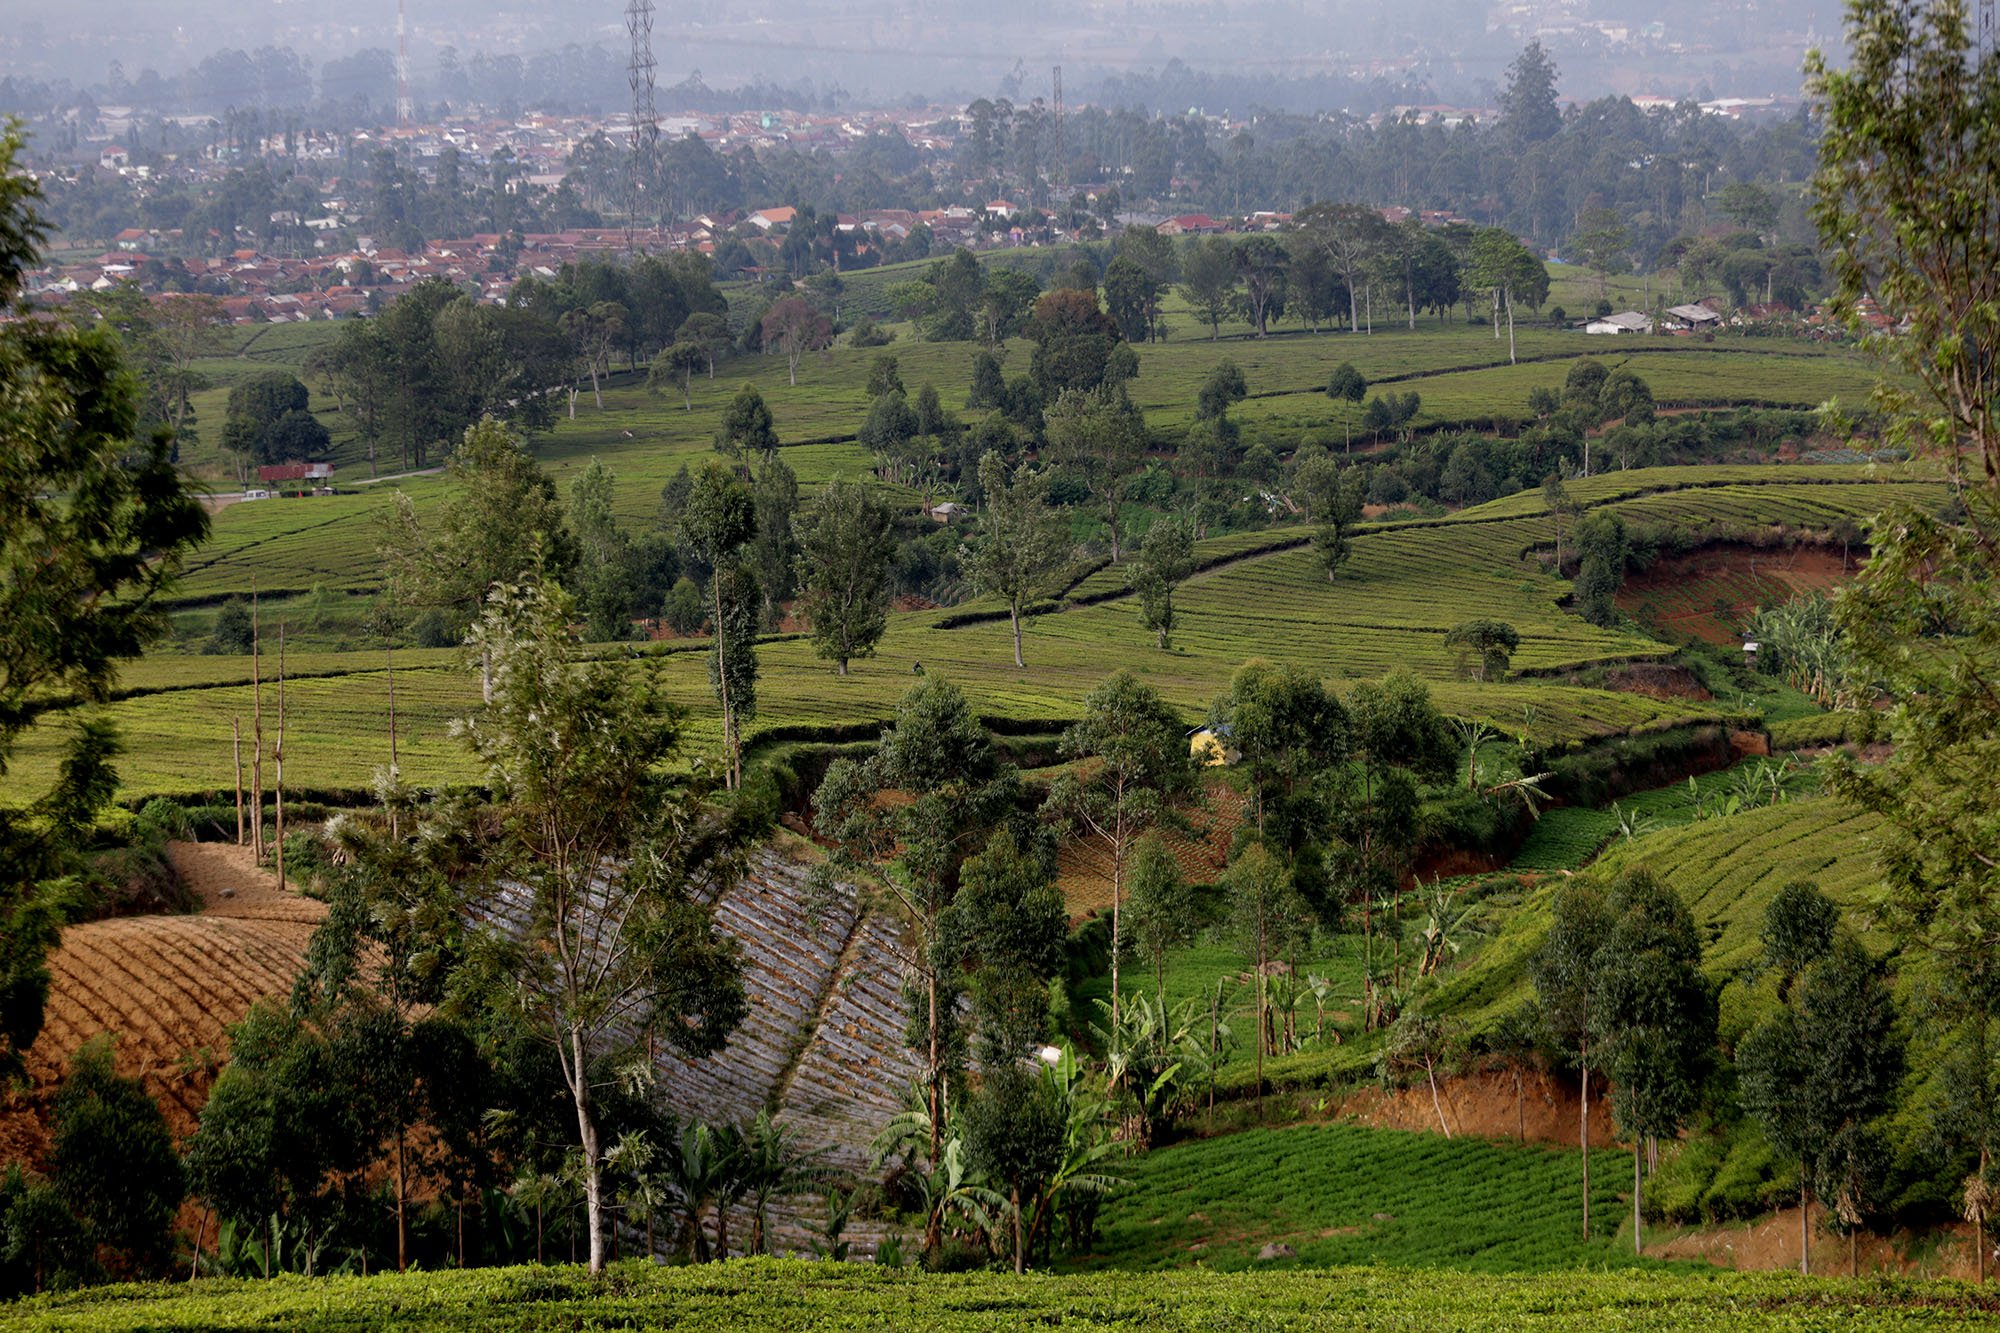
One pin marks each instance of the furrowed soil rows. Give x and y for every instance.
(168, 987)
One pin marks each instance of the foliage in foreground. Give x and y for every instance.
(789, 1294)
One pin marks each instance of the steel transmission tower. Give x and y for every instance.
(405, 110)
(1059, 173)
(645, 116)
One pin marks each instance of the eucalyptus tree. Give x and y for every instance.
(912, 813)
(719, 519)
(1657, 1021)
(1023, 543)
(1166, 559)
(1569, 975)
(1818, 1073)
(1131, 773)
(845, 541)
(604, 858)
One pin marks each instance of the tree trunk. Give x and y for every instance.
(937, 1107)
(1261, 955)
(278, 834)
(1805, 1225)
(1583, 1135)
(1511, 358)
(586, 1128)
(1014, 614)
(1638, 1185)
(402, 1205)
(1117, 892)
(1430, 1072)
(1020, 1253)
(236, 748)
(731, 754)
(256, 738)
(538, 1229)
(201, 1230)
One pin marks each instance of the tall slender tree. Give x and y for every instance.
(719, 519)
(845, 542)
(613, 858)
(1570, 983)
(960, 789)
(1657, 1022)
(1133, 773)
(1023, 543)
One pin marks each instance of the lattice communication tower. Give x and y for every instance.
(645, 115)
(405, 109)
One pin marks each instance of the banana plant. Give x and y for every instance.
(1451, 915)
(1632, 824)
(1080, 1180)
(954, 1191)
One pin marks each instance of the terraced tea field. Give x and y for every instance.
(1727, 868)
(1341, 1194)
(778, 1294)
(1404, 588)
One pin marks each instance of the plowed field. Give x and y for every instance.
(168, 986)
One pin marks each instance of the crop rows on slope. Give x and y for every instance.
(820, 1045)
(169, 986)
(1743, 507)
(791, 1295)
(1727, 869)
(336, 734)
(1342, 1194)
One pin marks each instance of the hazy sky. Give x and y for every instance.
(969, 47)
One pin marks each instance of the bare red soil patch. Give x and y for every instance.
(169, 987)
(1485, 1105)
(1707, 594)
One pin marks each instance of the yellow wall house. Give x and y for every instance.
(1210, 746)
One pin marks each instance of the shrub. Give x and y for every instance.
(432, 630)
(233, 631)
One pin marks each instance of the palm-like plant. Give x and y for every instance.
(1472, 734)
(954, 1191)
(642, 1187)
(543, 1192)
(1631, 823)
(1526, 788)
(1156, 1057)
(700, 1171)
(1080, 1180)
(771, 1166)
(1450, 919)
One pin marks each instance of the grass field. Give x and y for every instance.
(774, 1294)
